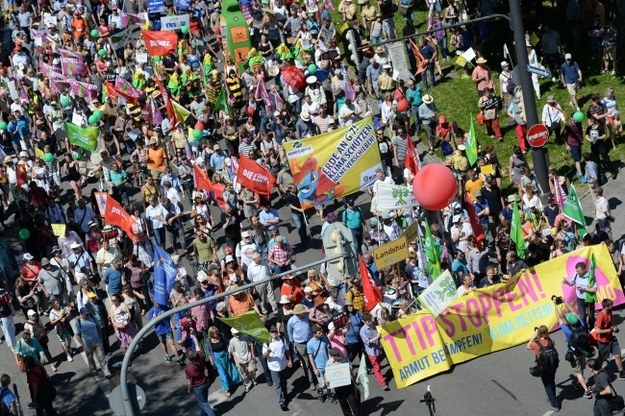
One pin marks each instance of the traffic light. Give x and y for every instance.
(351, 44)
(337, 240)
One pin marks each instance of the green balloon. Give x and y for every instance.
(98, 114)
(197, 134)
(578, 117)
(3, 125)
(65, 102)
(93, 119)
(95, 34)
(48, 157)
(24, 233)
(184, 29)
(102, 52)
(312, 68)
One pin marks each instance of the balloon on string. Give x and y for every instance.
(250, 111)
(93, 119)
(197, 134)
(434, 186)
(322, 75)
(312, 68)
(3, 125)
(98, 114)
(65, 102)
(95, 34)
(48, 157)
(184, 29)
(402, 105)
(199, 126)
(578, 117)
(24, 233)
(102, 52)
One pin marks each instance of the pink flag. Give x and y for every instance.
(350, 94)
(157, 117)
(559, 192)
(66, 53)
(126, 88)
(50, 72)
(73, 66)
(261, 93)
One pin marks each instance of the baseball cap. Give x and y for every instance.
(31, 312)
(84, 311)
(273, 329)
(234, 331)
(568, 56)
(571, 318)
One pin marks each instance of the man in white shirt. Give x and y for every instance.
(381, 178)
(460, 233)
(602, 211)
(245, 250)
(157, 215)
(256, 272)
(348, 113)
(552, 116)
(278, 359)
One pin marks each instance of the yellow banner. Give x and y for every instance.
(391, 253)
(334, 164)
(491, 319)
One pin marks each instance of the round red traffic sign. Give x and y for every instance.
(537, 135)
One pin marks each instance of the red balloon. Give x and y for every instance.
(250, 111)
(293, 77)
(434, 186)
(402, 105)
(199, 126)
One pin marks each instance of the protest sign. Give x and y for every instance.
(174, 22)
(390, 197)
(250, 324)
(492, 318)
(439, 294)
(334, 164)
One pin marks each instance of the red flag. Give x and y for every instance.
(476, 225)
(254, 177)
(116, 215)
(168, 105)
(160, 43)
(126, 90)
(412, 160)
(202, 182)
(421, 62)
(372, 293)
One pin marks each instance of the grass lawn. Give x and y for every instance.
(457, 98)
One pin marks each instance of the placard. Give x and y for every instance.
(174, 22)
(141, 57)
(58, 230)
(338, 375)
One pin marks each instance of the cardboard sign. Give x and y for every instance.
(58, 230)
(174, 22)
(338, 375)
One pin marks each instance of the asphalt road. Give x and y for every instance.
(496, 384)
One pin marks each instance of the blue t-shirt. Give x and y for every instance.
(88, 331)
(113, 279)
(570, 72)
(163, 327)
(567, 331)
(318, 348)
(414, 96)
(7, 397)
(352, 333)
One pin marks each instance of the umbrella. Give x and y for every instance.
(293, 77)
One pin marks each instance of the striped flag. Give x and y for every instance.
(559, 192)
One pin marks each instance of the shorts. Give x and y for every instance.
(576, 153)
(580, 364)
(572, 88)
(607, 348)
(165, 337)
(609, 53)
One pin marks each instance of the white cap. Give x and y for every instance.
(229, 258)
(31, 312)
(23, 154)
(308, 289)
(28, 256)
(234, 331)
(75, 245)
(568, 56)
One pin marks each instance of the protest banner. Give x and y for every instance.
(174, 22)
(126, 36)
(439, 294)
(101, 198)
(491, 319)
(334, 164)
(115, 214)
(159, 43)
(250, 324)
(87, 137)
(165, 273)
(73, 66)
(392, 197)
(156, 6)
(391, 253)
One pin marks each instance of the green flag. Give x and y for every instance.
(432, 252)
(86, 138)
(249, 324)
(573, 210)
(222, 102)
(362, 379)
(516, 232)
(591, 297)
(471, 149)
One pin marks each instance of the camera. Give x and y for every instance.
(557, 300)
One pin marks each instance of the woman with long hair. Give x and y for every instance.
(217, 353)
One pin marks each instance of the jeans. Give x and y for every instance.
(47, 410)
(258, 348)
(8, 328)
(357, 239)
(176, 236)
(375, 40)
(159, 236)
(601, 408)
(300, 224)
(588, 318)
(549, 381)
(428, 69)
(201, 394)
(279, 385)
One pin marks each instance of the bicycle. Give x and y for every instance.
(430, 401)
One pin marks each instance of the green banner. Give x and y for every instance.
(86, 138)
(249, 324)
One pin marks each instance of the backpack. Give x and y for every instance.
(579, 342)
(548, 359)
(510, 86)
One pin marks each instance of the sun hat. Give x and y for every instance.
(299, 308)
(305, 116)
(284, 299)
(427, 99)
(27, 256)
(481, 60)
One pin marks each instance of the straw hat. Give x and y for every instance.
(481, 60)
(299, 308)
(273, 70)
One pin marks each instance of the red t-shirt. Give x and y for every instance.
(604, 321)
(195, 371)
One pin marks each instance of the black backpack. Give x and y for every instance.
(548, 359)
(579, 342)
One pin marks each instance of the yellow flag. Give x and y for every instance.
(181, 113)
(38, 153)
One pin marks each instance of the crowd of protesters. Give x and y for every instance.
(90, 286)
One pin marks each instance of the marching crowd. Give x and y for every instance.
(165, 135)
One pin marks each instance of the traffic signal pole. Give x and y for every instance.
(539, 155)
